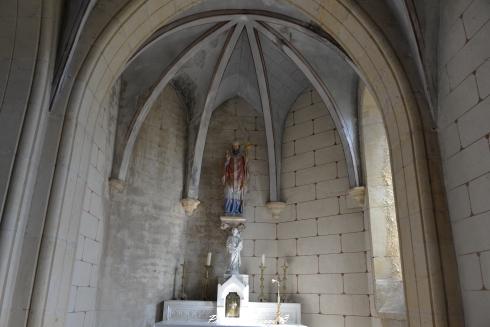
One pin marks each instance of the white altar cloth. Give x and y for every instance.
(197, 313)
(213, 324)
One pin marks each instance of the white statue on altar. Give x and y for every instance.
(234, 246)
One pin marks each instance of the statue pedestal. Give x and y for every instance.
(228, 222)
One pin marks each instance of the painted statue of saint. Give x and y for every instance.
(234, 246)
(235, 179)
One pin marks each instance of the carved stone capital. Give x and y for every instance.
(189, 205)
(356, 197)
(276, 207)
(117, 185)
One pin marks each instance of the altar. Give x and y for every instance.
(232, 306)
(197, 313)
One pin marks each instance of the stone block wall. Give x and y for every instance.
(147, 235)
(83, 292)
(234, 120)
(464, 130)
(22, 58)
(323, 240)
(144, 237)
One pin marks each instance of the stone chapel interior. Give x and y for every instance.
(184, 162)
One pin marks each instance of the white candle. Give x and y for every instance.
(208, 261)
(263, 260)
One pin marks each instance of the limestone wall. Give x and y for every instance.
(235, 119)
(321, 237)
(86, 268)
(322, 240)
(23, 52)
(464, 127)
(145, 230)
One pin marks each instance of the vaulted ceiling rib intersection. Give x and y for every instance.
(267, 59)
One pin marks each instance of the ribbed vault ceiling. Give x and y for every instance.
(265, 57)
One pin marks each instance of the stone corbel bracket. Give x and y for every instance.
(189, 205)
(276, 207)
(355, 197)
(116, 185)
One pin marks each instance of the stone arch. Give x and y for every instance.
(380, 211)
(430, 299)
(427, 295)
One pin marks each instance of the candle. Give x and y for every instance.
(263, 260)
(208, 261)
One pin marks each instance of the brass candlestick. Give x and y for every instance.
(262, 295)
(205, 283)
(284, 281)
(183, 296)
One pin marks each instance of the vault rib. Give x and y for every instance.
(166, 76)
(197, 148)
(261, 72)
(295, 55)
